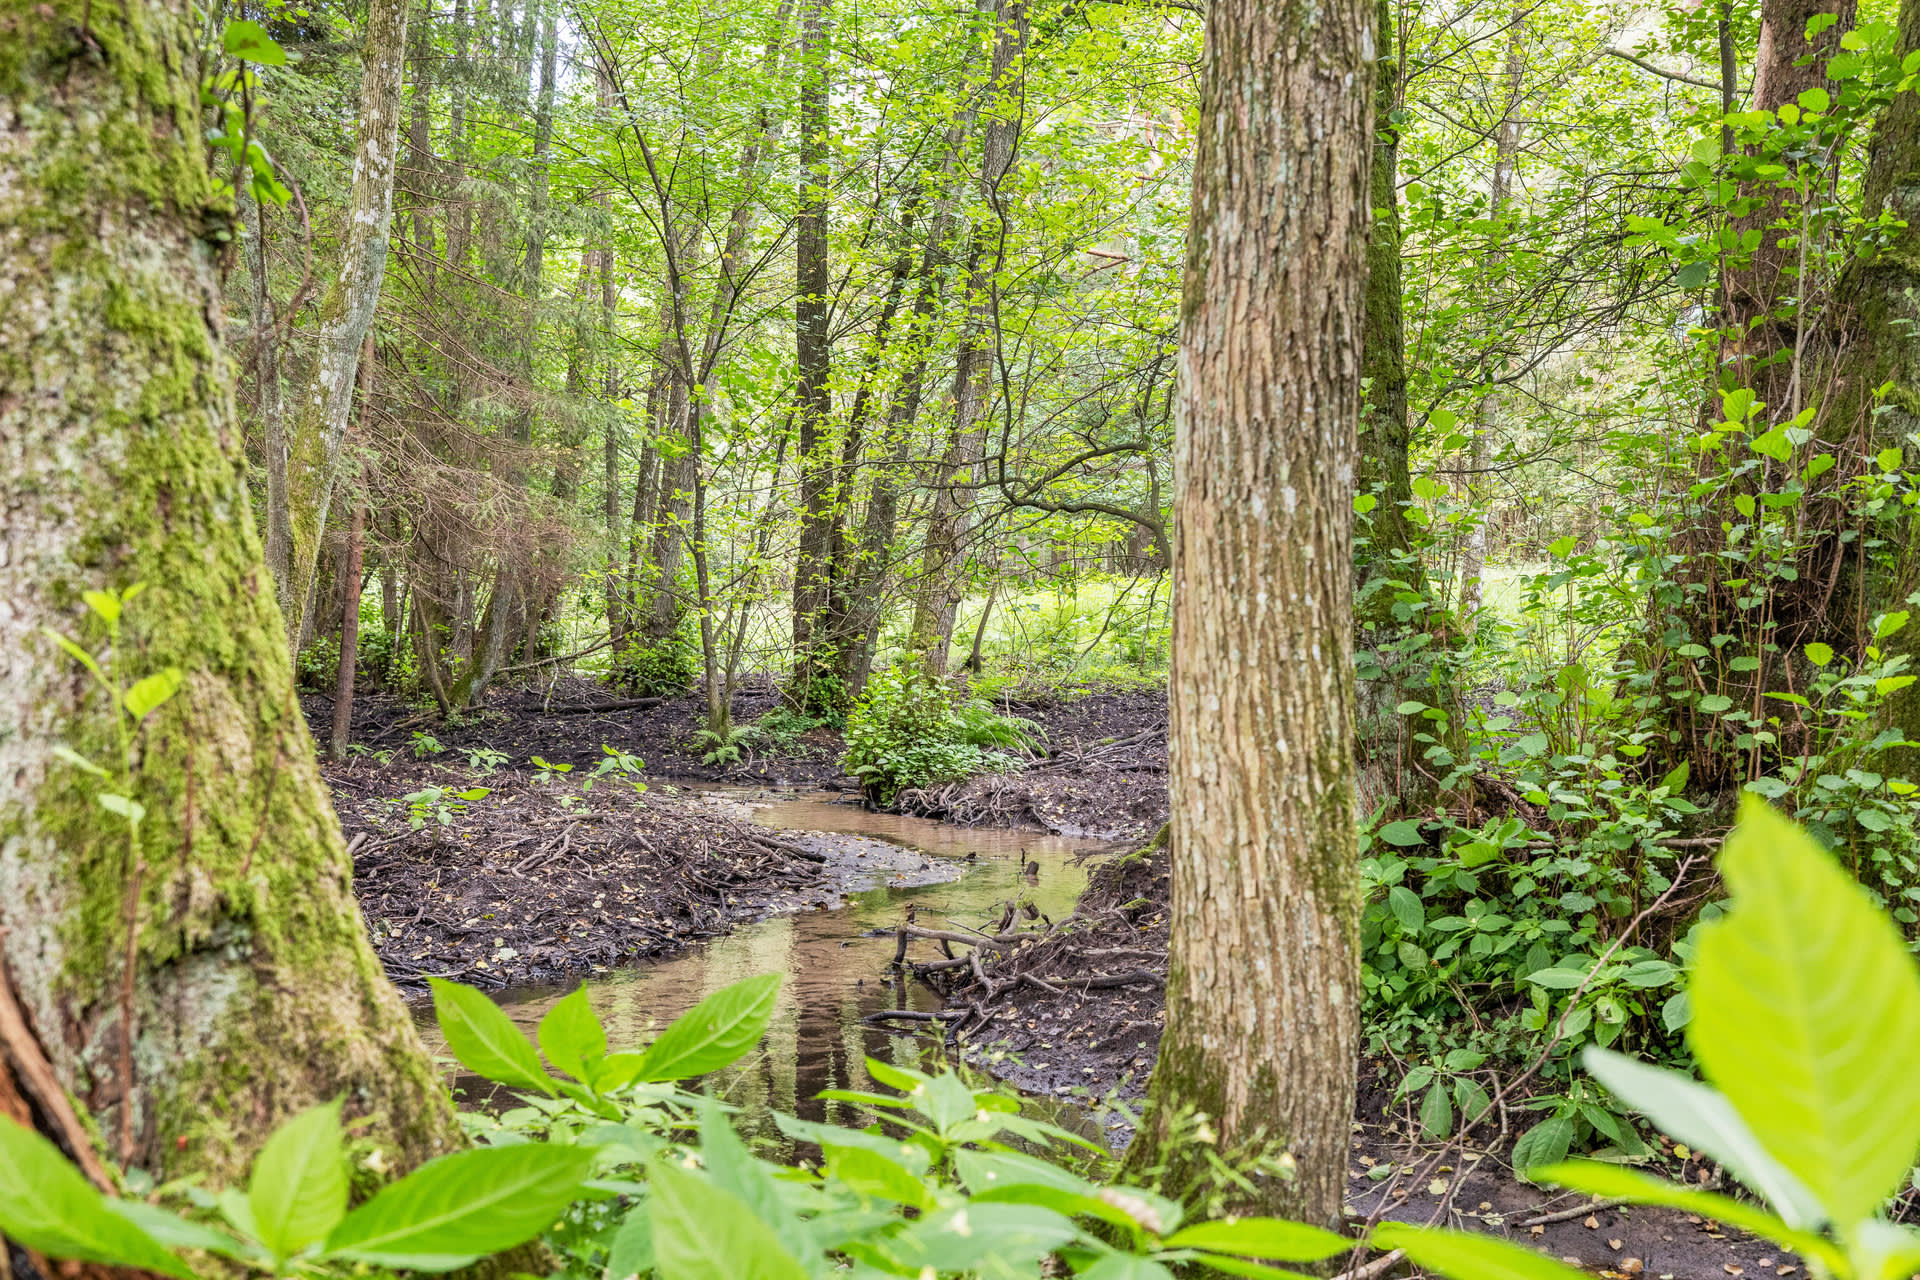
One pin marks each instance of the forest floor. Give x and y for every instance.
(538, 881)
(544, 879)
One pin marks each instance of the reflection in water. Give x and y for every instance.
(835, 976)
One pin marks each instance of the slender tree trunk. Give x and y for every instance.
(1263, 976)
(192, 990)
(1473, 556)
(346, 313)
(943, 569)
(273, 416)
(350, 583)
(821, 502)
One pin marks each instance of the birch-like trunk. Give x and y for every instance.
(346, 312)
(191, 988)
(1263, 975)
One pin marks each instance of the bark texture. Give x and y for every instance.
(346, 312)
(1262, 987)
(193, 993)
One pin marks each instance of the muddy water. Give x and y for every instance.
(836, 973)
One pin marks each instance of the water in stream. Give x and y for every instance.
(835, 974)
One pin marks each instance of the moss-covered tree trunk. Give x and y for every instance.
(1386, 560)
(1263, 976)
(193, 992)
(1880, 347)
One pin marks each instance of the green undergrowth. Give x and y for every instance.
(1807, 1025)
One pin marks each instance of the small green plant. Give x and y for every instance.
(782, 728)
(546, 772)
(911, 730)
(485, 759)
(131, 705)
(618, 766)
(728, 746)
(1806, 1023)
(425, 744)
(439, 805)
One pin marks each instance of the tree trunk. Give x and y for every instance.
(349, 636)
(265, 338)
(943, 570)
(193, 990)
(1880, 299)
(1263, 976)
(821, 508)
(1473, 556)
(346, 313)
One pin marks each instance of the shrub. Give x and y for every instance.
(655, 668)
(911, 730)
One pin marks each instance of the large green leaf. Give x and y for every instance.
(1613, 1182)
(632, 1251)
(714, 1033)
(703, 1233)
(732, 1168)
(1271, 1238)
(1690, 1112)
(485, 1039)
(976, 1236)
(1470, 1257)
(46, 1204)
(1807, 1017)
(572, 1037)
(298, 1191)
(464, 1206)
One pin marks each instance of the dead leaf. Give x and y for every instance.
(1592, 1223)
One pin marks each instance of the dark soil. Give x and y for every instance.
(1104, 773)
(536, 883)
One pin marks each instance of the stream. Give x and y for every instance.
(954, 877)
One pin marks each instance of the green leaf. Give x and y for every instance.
(1690, 1112)
(632, 1251)
(1890, 459)
(298, 1191)
(485, 1040)
(80, 762)
(1774, 443)
(1819, 654)
(868, 1173)
(462, 1207)
(1125, 1266)
(132, 810)
(75, 652)
(148, 694)
(1676, 780)
(1469, 1257)
(988, 1237)
(1404, 833)
(46, 1204)
(249, 40)
(1272, 1238)
(1557, 979)
(1715, 703)
(1807, 1016)
(1407, 908)
(714, 1033)
(1436, 1112)
(1546, 1143)
(731, 1168)
(572, 1037)
(1364, 502)
(1890, 684)
(1614, 1182)
(1650, 973)
(1890, 624)
(1471, 1097)
(176, 1232)
(702, 1233)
